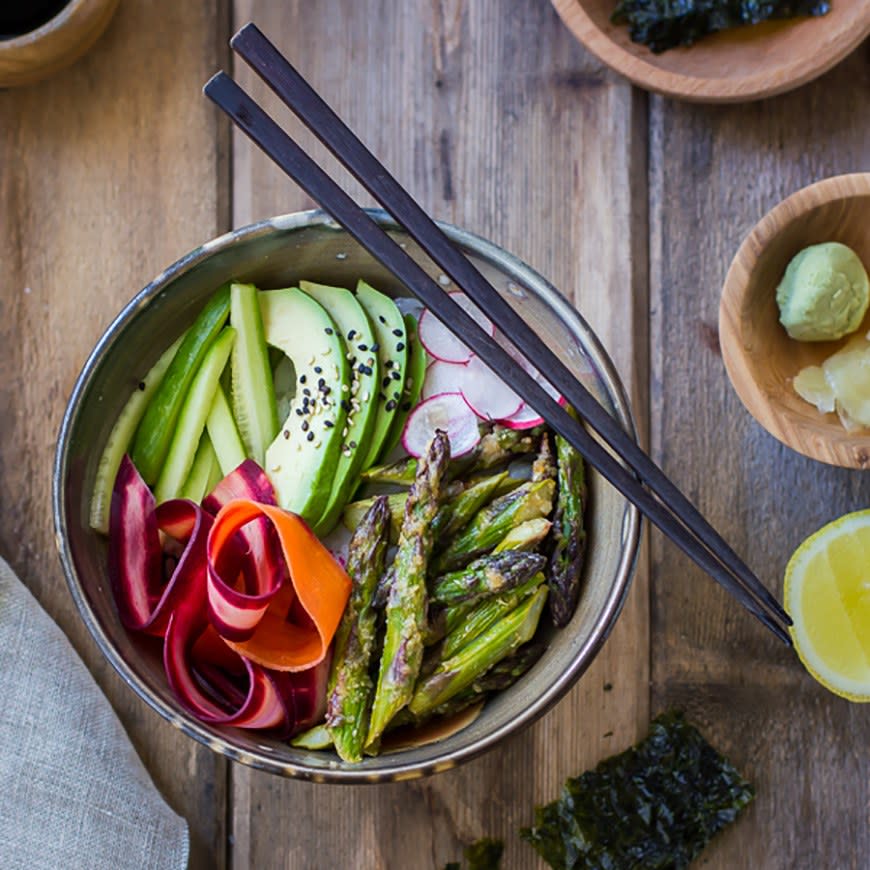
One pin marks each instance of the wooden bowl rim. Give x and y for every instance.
(58, 42)
(703, 89)
(844, 449)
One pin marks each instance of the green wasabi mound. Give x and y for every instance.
(824, 293)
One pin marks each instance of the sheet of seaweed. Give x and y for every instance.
(653, 807)
(664, 24)
(483, 854)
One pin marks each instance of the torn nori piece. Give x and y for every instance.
(483, 854)
(652, 807)
(664, 24)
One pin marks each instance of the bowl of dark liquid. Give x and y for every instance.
(40, 37)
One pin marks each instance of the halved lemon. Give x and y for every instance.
(827, 594)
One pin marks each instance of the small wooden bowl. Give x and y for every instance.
(737, 65)
(56, 44)
(760, 358)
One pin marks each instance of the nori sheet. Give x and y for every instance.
(664, 24)
(653, 807)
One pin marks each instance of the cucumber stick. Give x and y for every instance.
(224, 435)
(158, 425)
(202, 471)
(253, 392)
(192, 416)
(120, 437)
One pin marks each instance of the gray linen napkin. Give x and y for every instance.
(74, 792)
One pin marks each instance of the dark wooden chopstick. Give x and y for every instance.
(252, 45)
(257, 124)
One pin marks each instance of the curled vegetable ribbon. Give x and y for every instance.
(211, 679)
(285, 626)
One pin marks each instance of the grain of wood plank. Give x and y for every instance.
(714, 173)
(496, 120)
(108, 172)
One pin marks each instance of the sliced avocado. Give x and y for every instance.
(302, 459)
(392, 341)
(360, 397)
(418, 359)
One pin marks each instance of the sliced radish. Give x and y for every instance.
(440, 342)
(486, 393)
(448, 412)
(442, 377)
(525, 418)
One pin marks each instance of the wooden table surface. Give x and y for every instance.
(632, 204)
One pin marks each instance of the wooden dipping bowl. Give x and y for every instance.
(57, 43)
(760, 358)
(746, 63)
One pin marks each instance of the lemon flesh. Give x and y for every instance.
(827, 594)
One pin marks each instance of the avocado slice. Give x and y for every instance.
(418, 359)
(392, 341)
(302, 459)
(361, 405)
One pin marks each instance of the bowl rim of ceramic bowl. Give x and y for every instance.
(777, 420)
(630, 523)
(704, 89)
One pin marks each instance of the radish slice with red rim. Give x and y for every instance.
(486, 393)
(440, 342)
(448, 412)
(442, 377)
(525, 418)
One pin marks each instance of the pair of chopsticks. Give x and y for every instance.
(647, 487)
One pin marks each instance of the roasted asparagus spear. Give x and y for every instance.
(350, 686)
(532, 500)
(569, 534)
(406, 602)
(458, 672)
(489, 575)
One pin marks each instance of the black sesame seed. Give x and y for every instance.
(382, 318)
(302, 379)
(320, 382)
(406, 406)
(375, 348)
(398, 333)
(306, 392)
(386, 381)
(141, 385)
(345, 405)
(400, 346)
(389, 364)
(287, 434)
(299, 412)
(310, 436)
(382, 397)
(397, 396)
(304, 425)
(318, 370)
(390, 405)
(328, 423)
(328, 330)
(395, 376)
(352, 445)
(362, 347)
(351, 334)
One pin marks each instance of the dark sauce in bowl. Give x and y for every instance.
(18, 17)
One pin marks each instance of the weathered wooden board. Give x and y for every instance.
(713, 173)
(108, 172)
(496, 120)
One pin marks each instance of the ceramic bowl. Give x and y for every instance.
(62, 39)
(276, 253)
(760, 358)
(734, 66)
